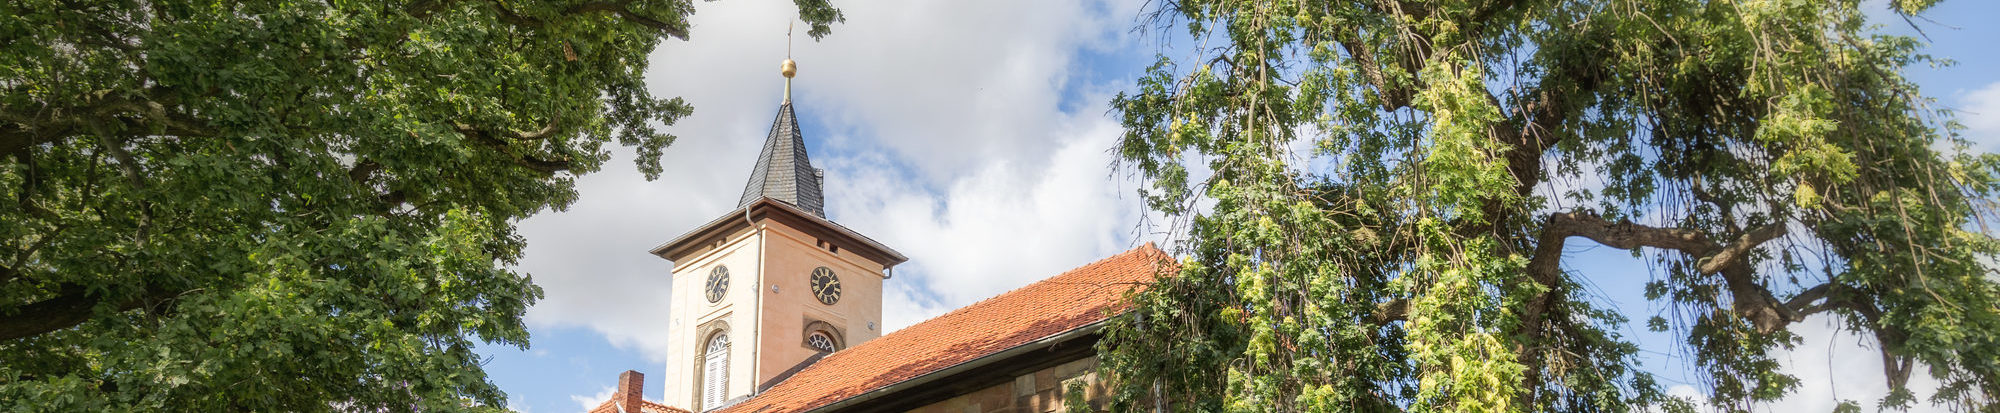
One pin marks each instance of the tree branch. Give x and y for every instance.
(1749, 298)
(544, 133)
(544, 165)
(363, 171)
(1393, 96)
(16, 138)
(150, 113)
(1717, 260)
(72, 305)
(1802, 304)
(622, 9)
(532, 162)
(1391, 311)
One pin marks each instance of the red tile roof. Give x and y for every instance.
(1075, 299)
(645, 406)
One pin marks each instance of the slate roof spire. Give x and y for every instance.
(783, 170)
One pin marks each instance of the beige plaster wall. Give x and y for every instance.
(1038, 392)
(691, 313)
(792, 256)
(766, 326)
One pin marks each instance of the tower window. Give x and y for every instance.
(821, 336)
(820, 341)
(715, 372)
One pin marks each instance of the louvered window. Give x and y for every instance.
(715, 372)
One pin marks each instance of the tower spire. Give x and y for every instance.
(783, 170)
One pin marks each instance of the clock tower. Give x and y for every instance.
(771, 286)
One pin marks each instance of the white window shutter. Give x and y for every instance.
(715, 372)
(709, 383)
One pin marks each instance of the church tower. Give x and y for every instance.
(771, 286)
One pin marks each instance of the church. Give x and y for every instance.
(776, 308)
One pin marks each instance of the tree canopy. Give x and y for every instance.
(1378, 194)
(297, 205)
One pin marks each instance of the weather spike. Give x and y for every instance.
(788, 68)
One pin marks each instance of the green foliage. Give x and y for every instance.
(1766, 157)
(297, 206)
(1073, 397)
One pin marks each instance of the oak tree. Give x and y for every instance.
(297, 205)
(1378, 196)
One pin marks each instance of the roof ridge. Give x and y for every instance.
(1135, 250)
(612, 406)
(662, 406)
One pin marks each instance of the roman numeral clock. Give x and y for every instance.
(825, 285)
(718, 283)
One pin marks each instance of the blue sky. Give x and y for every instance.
(953, 131)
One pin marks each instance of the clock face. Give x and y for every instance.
(825, 285)
(718, 283)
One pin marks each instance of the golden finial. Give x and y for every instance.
(789, 67)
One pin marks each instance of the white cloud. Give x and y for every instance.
(953, 87)
(951, 139)
(1980, 112)
(591, 401)
(519, 403)
(1003, 226)
(1835, 364)
(1689, 393)
(592, 264)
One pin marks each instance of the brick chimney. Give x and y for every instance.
(631, 391)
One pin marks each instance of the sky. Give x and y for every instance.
(975, 138)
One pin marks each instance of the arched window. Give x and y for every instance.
(820, 341)
(821, 336)
(715, 372)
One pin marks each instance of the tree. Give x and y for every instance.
(301, 205)
(1378, 195)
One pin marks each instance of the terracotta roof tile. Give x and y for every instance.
(1074, 299)
(646, 406)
